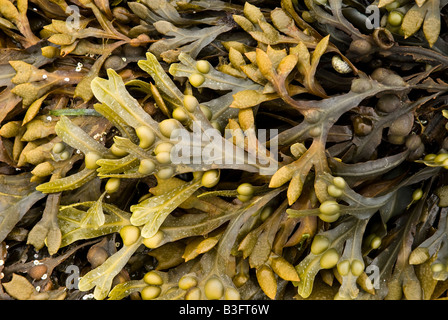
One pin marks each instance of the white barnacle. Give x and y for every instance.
(2, 262)
(79, 67)
(124, 59)
(88, 296)
(44, 276)
(49, 118)
(36, 262)
(44, 76)
(66, 79)
(340, 65)
(38, 288)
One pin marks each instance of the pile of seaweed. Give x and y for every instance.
(207, 149)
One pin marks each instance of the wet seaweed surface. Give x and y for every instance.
(223, 150)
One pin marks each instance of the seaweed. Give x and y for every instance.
(222, 150)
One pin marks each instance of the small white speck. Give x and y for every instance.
(7, 246)
(44, 76)
(2, 275)
(78, 151)
(49, 118)
(38, 288)
(124, 59)
(1, 262)
(36, 262)
(78, 69)
(107, 196)
(117, 244)
(66, 79)
(36, 256)
(44, 276)
(17, 169)
(34, 9)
